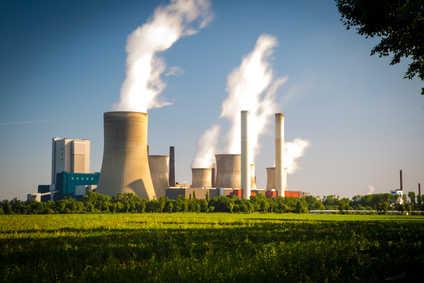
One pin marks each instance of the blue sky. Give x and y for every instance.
(62, 64)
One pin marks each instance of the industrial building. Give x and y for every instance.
(70, 173)
(70, 155)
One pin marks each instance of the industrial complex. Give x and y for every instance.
(127, 166)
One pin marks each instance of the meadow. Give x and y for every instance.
(213, 247)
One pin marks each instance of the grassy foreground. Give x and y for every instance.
(211, 247)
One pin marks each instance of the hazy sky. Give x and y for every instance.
(62, 64)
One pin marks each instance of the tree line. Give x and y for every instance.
(94, 202)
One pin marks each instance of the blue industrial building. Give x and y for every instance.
(69, 184)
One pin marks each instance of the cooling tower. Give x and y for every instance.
(253, 177)
(228, 173)
(201, 177)
(245, 166)
(159, 171)
(285, 179)
(270, 178)
(279, 153)
(125, 167)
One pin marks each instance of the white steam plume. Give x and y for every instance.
(292, 151)
(169, 23)
(206, 148)
(371, 189)
(251, 87)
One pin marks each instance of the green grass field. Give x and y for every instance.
(211, 247)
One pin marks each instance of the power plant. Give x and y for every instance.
(127, 166)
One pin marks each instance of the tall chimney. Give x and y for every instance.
(419, 189)
(125, 166)
(279, 153)
(245, 165)
(171, 166)
(213, 176)
(401, 181)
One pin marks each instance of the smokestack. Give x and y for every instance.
(171, 166)
(279, 153)
(419, 189)
(228, 171)
(401, 181)
(159, 171)
(245, 166)
(201, 177)
(253, 177)
(213, 177)
(125, 167)
(270, 178)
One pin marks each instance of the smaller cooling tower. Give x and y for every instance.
(159, 171)
(285, 179)
(270, 178)
(228, 171)
(201, 177)
(253, 177)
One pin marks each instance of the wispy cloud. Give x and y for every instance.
(31, 122)
(174, 71)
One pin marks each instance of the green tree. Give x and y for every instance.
(301, 207)
(402, 208)
(411, 196)
(399, 24)
(161, 203)
(409, 208)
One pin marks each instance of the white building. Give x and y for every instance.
(71, 155)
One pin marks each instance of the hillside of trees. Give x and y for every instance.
(130, 203)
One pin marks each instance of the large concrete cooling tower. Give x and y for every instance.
(228, 171)
(159, 171)
(201, 177)
(125, 167)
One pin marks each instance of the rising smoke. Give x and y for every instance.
(251, 87)
(143, 84)
(206, 146)
(292, 151)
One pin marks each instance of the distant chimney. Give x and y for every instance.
(213, 176)
(401, 181)
(171, 167)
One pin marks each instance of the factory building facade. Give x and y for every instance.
(70, 173)
(70, 155)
